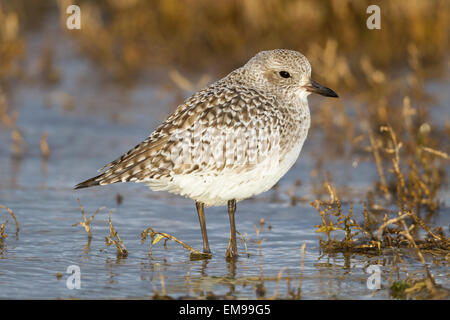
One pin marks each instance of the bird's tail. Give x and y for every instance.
(95, 181)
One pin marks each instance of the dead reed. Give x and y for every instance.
(86, 223)
(115, 239)
(3, 233)
(158, 236)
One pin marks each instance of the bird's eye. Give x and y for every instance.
(285, 74)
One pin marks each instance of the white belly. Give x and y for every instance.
(216, 190)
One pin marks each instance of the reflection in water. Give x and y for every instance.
(44, 170)
(347, 261)
(231, 266)
(2, 249)
(204, 266)
(16, 164)
(110, 266)
(87, 246)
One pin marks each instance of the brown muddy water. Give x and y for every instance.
(89, 122)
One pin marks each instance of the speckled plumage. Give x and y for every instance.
(232, 140)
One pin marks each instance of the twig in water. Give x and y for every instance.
(439, 153)
(86, 223)
(390, 221)
(299, 290)
(376, 154)
(274, 297)
(157, 236)
(45, 149)
(244, 242)
(114, 238)
(3, 234)
(12, 215)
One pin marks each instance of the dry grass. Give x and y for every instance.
(8, 118)
(374, 230)
(410, 193)
(12, 44)
(197, 34)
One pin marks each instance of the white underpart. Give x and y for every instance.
(216, 190)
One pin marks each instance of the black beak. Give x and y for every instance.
(316, 87)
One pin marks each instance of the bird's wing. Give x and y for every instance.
(214, 129)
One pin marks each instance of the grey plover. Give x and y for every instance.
(228, 142)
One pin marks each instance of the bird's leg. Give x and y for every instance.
(201, 219)
(232, 247)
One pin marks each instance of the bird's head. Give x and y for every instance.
(284, 73)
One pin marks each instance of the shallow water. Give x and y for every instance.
(104, 123)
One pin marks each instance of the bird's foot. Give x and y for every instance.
(232, 251)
